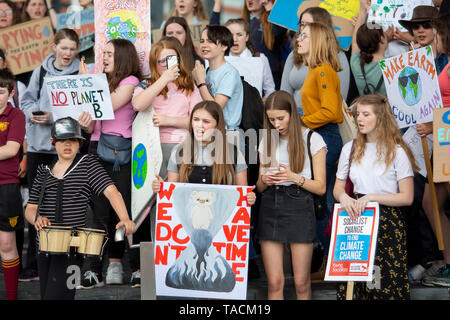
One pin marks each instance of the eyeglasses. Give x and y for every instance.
(302, 36)
(6, 12)
(425, 25)
(301, 25)
(162, 62)
(404, 80)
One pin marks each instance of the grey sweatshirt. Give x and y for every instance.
(38, 136)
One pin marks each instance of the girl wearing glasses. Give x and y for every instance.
(121, 65)
(381, 169)
(171, 93)
(9, 14)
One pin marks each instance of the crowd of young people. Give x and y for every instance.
(303, 93)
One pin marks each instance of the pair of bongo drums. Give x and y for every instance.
(59, 239)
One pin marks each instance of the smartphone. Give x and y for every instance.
(171, 61)
(38, 113)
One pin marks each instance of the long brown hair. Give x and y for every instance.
(319, 15)
(25, 16)
(16, 13)
(282, 100)
(246, 26)
(323, 49)
(387, 133)
(184, 81)
(222, 167)
(199, 12)
(126, 63)
(268, 36)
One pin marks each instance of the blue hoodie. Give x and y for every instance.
(38, 136)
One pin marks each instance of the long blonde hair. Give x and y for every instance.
(199, 12)
(387, 133)
(282, 100)
(323, 47)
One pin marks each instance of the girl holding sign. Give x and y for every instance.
(381, 169)
(287, 183)
(198, 160)
(121, 65)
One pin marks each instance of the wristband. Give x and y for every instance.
(201, 85)
(302, 182)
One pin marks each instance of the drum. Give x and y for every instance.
(55, 239)
(91, 241)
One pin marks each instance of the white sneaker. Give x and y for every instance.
(416, 273)
(114, 274)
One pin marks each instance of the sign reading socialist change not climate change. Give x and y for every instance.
(353, 244)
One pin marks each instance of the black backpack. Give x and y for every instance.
(252, 108)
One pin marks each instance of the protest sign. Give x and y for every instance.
(202, 238)
(82, 22)
(70, 95)
(412, 86)
(286, 13)
(250, 68)
(27, 44)
(441, 145)
(353, 242)
(146, 160)
(387, 12)
(126, 20)
(412, 139)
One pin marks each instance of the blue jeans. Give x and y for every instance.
(331, 136)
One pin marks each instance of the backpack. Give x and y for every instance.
(252, 108)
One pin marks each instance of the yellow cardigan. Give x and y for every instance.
(321, 97)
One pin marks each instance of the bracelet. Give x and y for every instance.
(303, 182)
(201, 85)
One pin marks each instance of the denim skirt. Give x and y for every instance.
(286, 215)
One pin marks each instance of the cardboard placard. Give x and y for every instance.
(353, 242)
(412, 86)
(441, 145)
(202, 238)
(127, 20)
(71, 95)
(27, 44)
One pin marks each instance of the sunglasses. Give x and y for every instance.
(404, 80)
(425, 25)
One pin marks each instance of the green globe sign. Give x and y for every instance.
(139, 165)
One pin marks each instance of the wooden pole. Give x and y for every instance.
(349, 293)
(437, 219)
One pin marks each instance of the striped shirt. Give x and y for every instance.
(84, 177)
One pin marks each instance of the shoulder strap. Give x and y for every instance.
(367, 87)
(308, 145)
(42, 73)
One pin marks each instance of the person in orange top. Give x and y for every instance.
(321, 99)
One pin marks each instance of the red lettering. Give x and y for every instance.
(237, 273)
(162, 211)
(239, 252)
(161, 257)
(159, 228)
(242, 235)
(36, 57)
(166, 193)
(242, 197)
(229, 234)
(16, 60)
(219, 246)
(241, 215)
(7, 46)
(178, 250)
(175, 236)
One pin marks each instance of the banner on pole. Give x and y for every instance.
(71, 95)
(353, 243)
(441, 145)
(202, 238)
(412, 86)
(27, 44)
(126, 20)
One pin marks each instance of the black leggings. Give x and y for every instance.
(54, 274)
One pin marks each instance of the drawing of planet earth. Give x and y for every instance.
(139, 166)
(410, 86)
(123, 29)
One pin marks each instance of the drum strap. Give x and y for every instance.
(41, 196)
(59, 200)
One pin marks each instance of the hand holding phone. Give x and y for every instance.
(171, 61)
(38, 113)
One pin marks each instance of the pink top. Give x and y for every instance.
(444, 84)
(124, 116)
(177, 104)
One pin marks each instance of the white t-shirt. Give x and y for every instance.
(369, 176)
(282, 153)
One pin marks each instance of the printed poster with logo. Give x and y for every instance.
(353, 242)
(82, 22)
(412, 86)
(126, 20)
(71, 95)
(27, 44)
(441, 145)
(201, 241)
